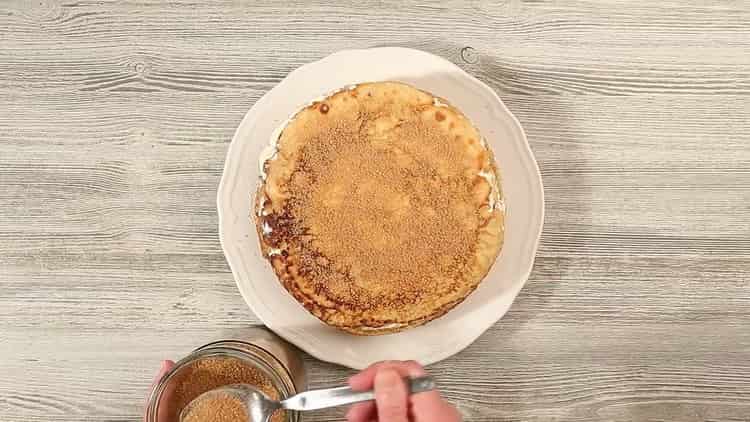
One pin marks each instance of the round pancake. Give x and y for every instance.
(381, 208)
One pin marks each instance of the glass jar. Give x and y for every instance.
(273, 357)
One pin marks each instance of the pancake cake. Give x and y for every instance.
(380, 209)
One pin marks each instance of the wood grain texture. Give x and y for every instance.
(115, 118)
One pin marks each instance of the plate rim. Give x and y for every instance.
(476, 330)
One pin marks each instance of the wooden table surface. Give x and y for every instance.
(115, 118)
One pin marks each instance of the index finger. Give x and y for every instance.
(365, 380)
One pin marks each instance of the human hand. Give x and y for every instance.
(165, 367)
(392, 400)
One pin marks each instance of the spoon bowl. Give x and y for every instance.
(256, 405)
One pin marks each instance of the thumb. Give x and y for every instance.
(391, 397)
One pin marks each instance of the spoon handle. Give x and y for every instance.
(332, 397)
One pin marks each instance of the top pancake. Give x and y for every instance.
(381, 208)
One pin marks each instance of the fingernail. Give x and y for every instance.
(356, 378)
(387, 379)
(352, 380)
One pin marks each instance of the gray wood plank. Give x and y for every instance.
(115, 118)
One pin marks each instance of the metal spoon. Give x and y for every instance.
(260, 407)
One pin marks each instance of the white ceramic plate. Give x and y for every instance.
(521, 185)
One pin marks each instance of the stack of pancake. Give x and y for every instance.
(381, 209)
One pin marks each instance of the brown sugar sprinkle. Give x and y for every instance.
(209, 373)
(392, 223)
(218, 408)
